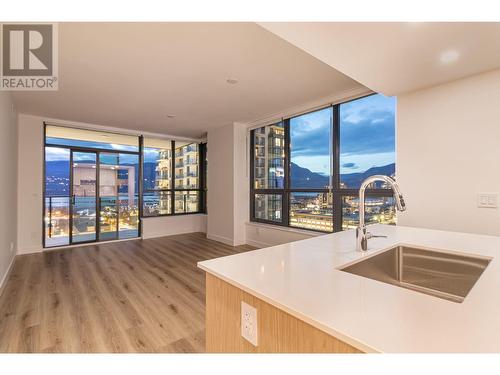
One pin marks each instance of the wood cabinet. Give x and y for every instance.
(278, 331)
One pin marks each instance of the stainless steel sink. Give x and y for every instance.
(445, 275)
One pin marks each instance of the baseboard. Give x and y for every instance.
(258, 244)
(156, 235)
(6, 276)
(225, 240)
(29, 250)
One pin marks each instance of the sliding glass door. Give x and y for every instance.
(83, 197)
(90, 196)
(127, 179)
(57, 197)
(118, 196)
(108, 196)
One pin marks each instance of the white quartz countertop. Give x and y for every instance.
(302, 278)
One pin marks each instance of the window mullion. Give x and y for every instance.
(172, 181)
(285, 193)
(337, 198)
(141, 182)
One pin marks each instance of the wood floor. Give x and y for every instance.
(133, 296)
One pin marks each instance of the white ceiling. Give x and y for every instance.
(131, 75)
(394, 58)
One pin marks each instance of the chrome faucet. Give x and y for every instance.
(362, 235)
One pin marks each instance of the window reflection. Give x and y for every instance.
(186, 201)
(268, 207)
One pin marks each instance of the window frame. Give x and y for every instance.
(141, 191)
(335, 189)
(200, 189)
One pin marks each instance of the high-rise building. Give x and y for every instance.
(163, 169)
(186, 166)
(269, 152)
(269, 169)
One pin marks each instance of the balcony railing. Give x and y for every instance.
(163, 175)
(260, 162)
(186, 150)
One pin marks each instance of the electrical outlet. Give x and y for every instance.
(249, 323)
(487, 200)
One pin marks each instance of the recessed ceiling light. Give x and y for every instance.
(449, 56)
(171, 116)
(232, 81)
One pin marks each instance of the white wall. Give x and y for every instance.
(261, 235)
(169, 225)
(228, 189)
(29, 207)
(30, 177)
(8, 185)
(241, 167)
(220, 187)
(448, 150)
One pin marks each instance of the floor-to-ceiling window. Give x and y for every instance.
(310, 170)
(366, 148)
(306, 170)
(94, 180)
(91, 186)
(57, 196)
(172, 177)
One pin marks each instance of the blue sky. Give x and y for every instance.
(367, 133)
(310, 137)
(367, 128)
(151, 155)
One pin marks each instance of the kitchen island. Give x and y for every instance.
(306, 303)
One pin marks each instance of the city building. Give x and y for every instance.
(269, 149)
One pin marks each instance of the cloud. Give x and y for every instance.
(367, 127)
(373, 129)
(350, 166)
(310, 134)
(56, 153)
(150, 154)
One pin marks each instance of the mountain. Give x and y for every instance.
(57, 168)
(149, 174)
(303, 178)
(353, 180)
